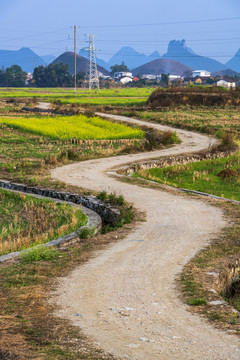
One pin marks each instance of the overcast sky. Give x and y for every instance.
(45, 25)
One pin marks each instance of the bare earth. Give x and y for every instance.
(125, 297)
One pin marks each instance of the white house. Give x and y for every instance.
(201, 73)
(121, 74)
(125, 80)
(174, 77)
(226, 84)
(149, 77)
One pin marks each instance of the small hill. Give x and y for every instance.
(99, 61)
(227, 72)
(24, 57)
(177, 50)
(82, 63)
(234, 63)
(162, 66)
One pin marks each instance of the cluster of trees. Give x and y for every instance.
(119, 68)
(53, 75)
(13, 77)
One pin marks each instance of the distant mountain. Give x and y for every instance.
(162, 66)
(177, 50)
(100, 62)
(48, 59)
(82, 63)
(234, 63)
(129, 56)
(24, 57)
(154, 56)
(227, 72)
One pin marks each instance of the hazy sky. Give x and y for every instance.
(45, 25)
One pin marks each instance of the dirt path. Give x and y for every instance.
(125, 297)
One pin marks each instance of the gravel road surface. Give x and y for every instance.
(125, 298)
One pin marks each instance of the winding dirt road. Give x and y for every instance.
(125, 298)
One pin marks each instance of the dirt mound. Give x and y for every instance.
(228, 174)
(193, 96)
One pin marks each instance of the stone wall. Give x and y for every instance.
(169, 161)
(108, 213)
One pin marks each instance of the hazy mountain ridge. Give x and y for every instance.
(25, 57)
(234, 63)
(177, 50)
(48, 58)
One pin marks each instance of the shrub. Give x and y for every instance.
(156, 139)
(89, 113)
(86, 233)
(39, 253)
(197, 302)
(102, 195)
(228, 142)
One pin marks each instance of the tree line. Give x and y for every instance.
(53, 75)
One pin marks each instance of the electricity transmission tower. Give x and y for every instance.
(93, 76)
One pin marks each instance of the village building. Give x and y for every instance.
(201, 73)
(122, 74)
(227, 84)
(126, 79)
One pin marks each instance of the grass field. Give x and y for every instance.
(27, 157)
(61, 92)
(220, 177)
(26, 221)
(213, 121)
(74, 127)
(114, 97)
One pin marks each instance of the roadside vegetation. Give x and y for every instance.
(29, 327)
(26, 221)
(220, 177)
(212, 121)
(200, 288)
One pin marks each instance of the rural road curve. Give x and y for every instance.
(126, 297)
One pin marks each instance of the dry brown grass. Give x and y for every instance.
(31, 331)
(26, 221)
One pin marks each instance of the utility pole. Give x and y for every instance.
(93, 76)
(75, 59)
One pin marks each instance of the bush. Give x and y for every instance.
(102, 195)
(228, 142)
(156, 138)
(86, 233)
(89, 113)
(57, 102)
(197, 302)
(39, 253)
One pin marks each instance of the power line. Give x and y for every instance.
(164, 23)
